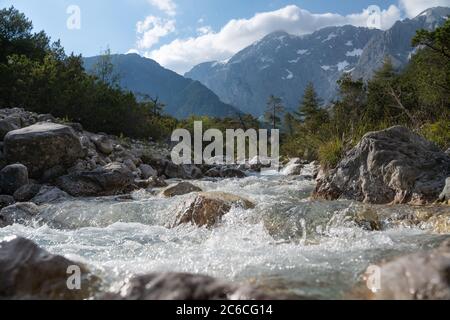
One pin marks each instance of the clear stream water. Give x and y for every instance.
(288, 243)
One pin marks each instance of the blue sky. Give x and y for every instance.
(180, 33)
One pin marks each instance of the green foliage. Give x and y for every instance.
(438, 132)
(418, 98)
(437, 40)
(39, 76)
(330, 153)
(273, 111)
(104, 69)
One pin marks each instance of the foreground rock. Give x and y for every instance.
(29, 272)
(42, 146)
(180, 189)
(293, 167)
(183, 286)
(112, 179)
(389, 166)
(21, 213)
(419, 276)
(207, 208)
(13, 177)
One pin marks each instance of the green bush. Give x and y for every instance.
(330, 153)
(438, 132)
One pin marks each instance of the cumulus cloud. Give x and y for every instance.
(152, 29)
(413, 8)
(204, 30)
(167, 6)
(182, 54)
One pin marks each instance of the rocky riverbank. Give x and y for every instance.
(61, 185)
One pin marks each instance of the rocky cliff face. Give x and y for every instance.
(283, 64)
(395, 43)
(389, 166)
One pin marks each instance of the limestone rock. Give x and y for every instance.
(21, 213)
(207, 208)
(29, 272)
(389, 166)
(42, 146)
(112, 179)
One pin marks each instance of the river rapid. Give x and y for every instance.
(288, 244)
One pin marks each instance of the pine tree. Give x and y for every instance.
(273, 111)
(310, 112)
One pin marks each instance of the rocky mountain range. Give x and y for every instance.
(183, 97)
(283, 64)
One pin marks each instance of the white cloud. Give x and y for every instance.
(152, 29)
(413, 8)
(167, 6)
(182, 54)
(132, 51)
(204, 30)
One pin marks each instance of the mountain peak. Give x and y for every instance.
(434, 14)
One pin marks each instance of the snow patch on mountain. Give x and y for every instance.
(326, 68)
(302, 52)
(354, 53)
(342, 65)
(349, 43)
(289, 76)
(330, 36)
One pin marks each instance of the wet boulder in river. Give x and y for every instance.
(147, 171)
(183, 286)
(293, 167)
(180, 189)
(111, 179)
(389, 166)
(29, 272)
(22, 213)
(207, 208)
(42, 146)
(419, 276)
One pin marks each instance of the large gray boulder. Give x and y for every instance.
(29, 272)
(207, 208)
(183, 286)
(13, 177)
(49, 194)
(42, 146)
(419, 276)
(390, 166)
(21, 213)
(112, 179)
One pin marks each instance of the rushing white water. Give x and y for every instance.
(288, 242)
